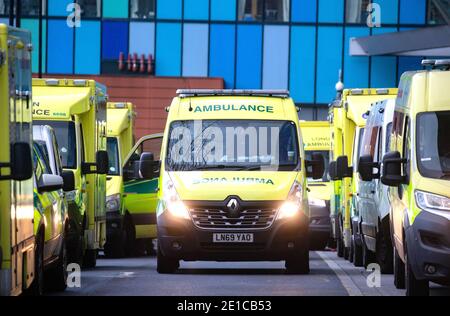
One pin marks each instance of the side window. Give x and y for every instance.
(42, 160)
(57, 156)
(380, 145)
(82, 144)
(398, 128)
(407, 147)
(388, 137)
(152, 145)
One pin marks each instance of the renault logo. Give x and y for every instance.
(233, 207)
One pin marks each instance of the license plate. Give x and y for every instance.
(232, 237)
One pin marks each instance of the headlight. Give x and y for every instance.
(293, 204)
(432, 202)
(172, 200)
(316, 202)
(113, 202)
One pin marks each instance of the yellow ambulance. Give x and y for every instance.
(17, 240)
(417, 169)
(316, 139)
(232, 180)
(76, 110)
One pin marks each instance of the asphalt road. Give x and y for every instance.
(329, 275)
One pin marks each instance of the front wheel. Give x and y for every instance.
(357, 254)
(90, 258)
(56, 278)
(37, 287)
(384, 254)
(165, 265)
(415, 287)
(399, 271)
(298, 263)
(368, 256)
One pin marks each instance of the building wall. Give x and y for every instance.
(204, 38)
(150, 96)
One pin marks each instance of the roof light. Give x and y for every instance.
(428, 62)
(182, 93)
(382, 91)
(442, 62)
(79, 82)
(120, 105)
(357, 91)
(52, 82)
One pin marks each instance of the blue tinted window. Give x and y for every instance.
(389, 11)
(58, 7)
(408, 63)
(223, 10)
(329, 61)
(33, 26)
(304, 10)
(195, 50)
(248, 68)
(331, 11)
(142, 38)
(276, 57)
(302, 66)
(196, 9)
(114, 39)
(356, 68)
(169, 9)
(222, 56)
(168, 49)
(87, 48)
(412, 11)
(60, 47)
(383, 68)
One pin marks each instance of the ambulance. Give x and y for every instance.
(120, 126)
(17, 240)
(348, 116)
(232, 180)
(417, 169)
(76, 110)
(316, 139)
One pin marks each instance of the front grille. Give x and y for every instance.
(219, 219)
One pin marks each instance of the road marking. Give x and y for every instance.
(123, 275)
(346, 281)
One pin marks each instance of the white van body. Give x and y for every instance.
(372, 200)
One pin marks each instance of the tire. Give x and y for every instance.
(298, 263)
(149, 248)
(368, 256)
(357, 254)
(414, 287)
(56, 278)
(166, 265)
(346, 253)
(37, 287)
(399, 271)
(352, 250)
(384, 254)
(130, 236)
(340, 247)
(115, 246)
(75, 251)
(90, 258)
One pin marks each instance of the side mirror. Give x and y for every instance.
(147, 166)
(102, 162)
(366, 166)
(50, 182)
(316, 165)
(69, 181)
(342, 168)
(332, 171)
(22, 165)
(392, 169)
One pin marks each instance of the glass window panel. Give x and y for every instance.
(142, 9)
(90, 8)
(356, 11)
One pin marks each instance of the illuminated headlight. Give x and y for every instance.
(113, 202)
(172, 201)
(70, 195)
(432, 202)
(316, 202)
(293, 204)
